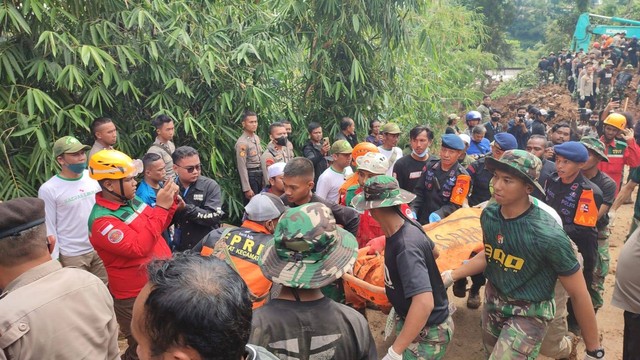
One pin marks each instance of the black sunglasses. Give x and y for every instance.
(190, 169)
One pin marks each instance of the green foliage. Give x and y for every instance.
(62, 64)
(525, 80)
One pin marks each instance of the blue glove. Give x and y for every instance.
(433, 217)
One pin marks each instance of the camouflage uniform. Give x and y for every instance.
(432, 342)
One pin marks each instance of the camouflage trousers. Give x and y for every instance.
(514, 329)
(600, 270)
(604, 96)
(432, 342)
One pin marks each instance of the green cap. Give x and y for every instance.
(308, 249)
(381, 191)
(341, 147)
(608, 62)
(68, 144)
(390, 128)
(519, 163)
(595, 145)
(628, 67)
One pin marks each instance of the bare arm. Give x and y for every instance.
(476, 265)
(419, 311)
(583, 308)
(624, 193)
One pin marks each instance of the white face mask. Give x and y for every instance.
(426, 151)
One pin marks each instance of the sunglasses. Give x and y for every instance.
(190, 169)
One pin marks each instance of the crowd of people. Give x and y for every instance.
(114, 244)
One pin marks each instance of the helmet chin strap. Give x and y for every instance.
(120, 196)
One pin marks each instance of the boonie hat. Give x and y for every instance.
(68, 144)
(276, 169)
(595, 145)
(381, 191)
(263, 207)
(453, 117)
(341, 147)
(573, 151)
(20, 214)
(390, 128)
(519, 163)
(375, 163)
(452, 141)
(505, 141)
(308, 249)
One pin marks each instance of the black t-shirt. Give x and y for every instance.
(319, 329)
(605, 76)
(608, 187)
(408, 170)
(410, 269)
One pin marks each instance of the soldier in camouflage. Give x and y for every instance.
(309, 251)
(526, 250)
(412, 281)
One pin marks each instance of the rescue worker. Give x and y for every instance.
(438, 183)
(126, 232)
(248, 151)
(619, 153)
(603, 84)
(359, 150)
(242, 246)
(473, 119)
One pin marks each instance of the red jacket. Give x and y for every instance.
(620, 153)
(126, 247)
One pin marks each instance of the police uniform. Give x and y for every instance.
(435, 186)
(164, 150)
(248, 151)
(272, 156)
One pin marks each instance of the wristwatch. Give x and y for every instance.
(597, 353)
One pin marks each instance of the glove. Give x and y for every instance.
(447, 278)
(612, 217)
(597, 90)
(434, 217)
(582, 97)
(392, 355)
(376, 245)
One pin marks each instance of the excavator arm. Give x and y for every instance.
(584, 29)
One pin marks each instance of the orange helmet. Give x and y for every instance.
(604, 37)
(361, 149)
(616, 120)
(596, 45)
(113, 164)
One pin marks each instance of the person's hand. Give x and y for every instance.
(249, 194)
(597, 90)
(447, 278)
(612, 217)
(392, 355)
(181, 203)
(627, 134)
(166, 195)
(548, 153)
(376, 245)
(325, 149)
(434, 217)
(582, 97)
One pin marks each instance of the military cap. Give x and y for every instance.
(381, 191)
(68, 144)
(573, 151)
(519, 163)
(390, 128)
(595, 145)
(505, 141)
(452, 141)
(20, 214)
(308, 249)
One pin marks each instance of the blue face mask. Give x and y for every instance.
(77, 168)
(426, 151)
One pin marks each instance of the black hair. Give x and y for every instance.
(284, 122)
(160, 120)
(371, 122)
(274, 125)
(97, 123)
(150, 158)
(539, 137)
(345, 123)
(559, 125)
(197, 302)
(183, 152)
(29, 244)
(418, 130)
(521, 108)
(246, 114)
(486, 97)
(299, 166)
(479, 129)
(312, 126)
(493, 111)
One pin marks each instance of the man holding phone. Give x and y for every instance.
(620, 152)
(317, 150)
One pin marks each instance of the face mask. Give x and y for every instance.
(281, 141)
(77, 168)
(426, 151)
(494, 119)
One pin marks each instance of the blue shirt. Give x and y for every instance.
(483, 147)
(147, 193)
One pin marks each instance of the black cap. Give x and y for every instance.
(20, 214)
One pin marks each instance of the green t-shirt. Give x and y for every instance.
(525, 255)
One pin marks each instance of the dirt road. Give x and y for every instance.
(467, 342)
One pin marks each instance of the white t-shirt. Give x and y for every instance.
(68, 204)
(329, 184)
(387, 154)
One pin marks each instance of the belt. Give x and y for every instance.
(254, 170)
